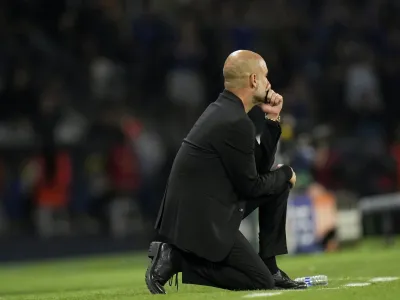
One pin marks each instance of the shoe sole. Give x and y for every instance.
(302, 287)
(153, 254)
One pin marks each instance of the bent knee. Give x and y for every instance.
(264, 283)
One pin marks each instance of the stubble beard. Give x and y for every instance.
(257, 100)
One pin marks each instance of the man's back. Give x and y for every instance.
(199, 192)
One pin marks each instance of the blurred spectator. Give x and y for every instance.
(185, 82)
(52, 192)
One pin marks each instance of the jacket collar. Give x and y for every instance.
(231, 96)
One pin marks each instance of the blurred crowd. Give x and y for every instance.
(96, 97)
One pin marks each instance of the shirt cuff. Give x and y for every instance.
(272, 123)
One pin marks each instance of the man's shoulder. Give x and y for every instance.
(220, 113)
(216, 121)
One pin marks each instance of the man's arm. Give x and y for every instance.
(265, 151)
(237, 154)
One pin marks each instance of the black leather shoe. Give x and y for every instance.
(164, 264)
(283, 281)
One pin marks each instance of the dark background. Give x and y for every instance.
(96, 96)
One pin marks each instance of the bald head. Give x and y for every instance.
(245, 74)
(239, 66)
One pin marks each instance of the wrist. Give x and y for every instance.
(273, 117)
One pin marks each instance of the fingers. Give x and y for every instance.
(274, 103)
(274, 99)
(270, 93)
(269, 109)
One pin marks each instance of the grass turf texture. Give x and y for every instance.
(122, 277)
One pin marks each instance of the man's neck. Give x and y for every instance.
(244, 97)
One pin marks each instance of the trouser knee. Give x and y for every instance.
(264, 283)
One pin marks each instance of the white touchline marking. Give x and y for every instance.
(268, 294)
(383, 279)
(357, 284)
(349, 278)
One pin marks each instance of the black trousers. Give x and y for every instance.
(244, 268)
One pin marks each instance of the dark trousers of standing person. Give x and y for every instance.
(244, 268)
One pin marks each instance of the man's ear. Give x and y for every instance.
(253, 81)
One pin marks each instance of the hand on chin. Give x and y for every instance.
(270, 110)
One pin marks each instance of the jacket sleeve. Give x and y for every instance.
(237, 154)
(266, 149)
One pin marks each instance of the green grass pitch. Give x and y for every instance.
(122, 277)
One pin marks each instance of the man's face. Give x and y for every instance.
(261, 84)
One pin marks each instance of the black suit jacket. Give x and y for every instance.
(213, 171)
